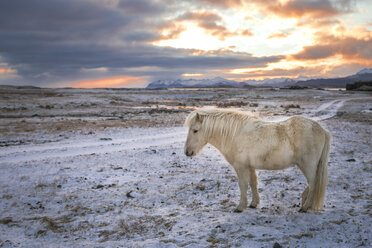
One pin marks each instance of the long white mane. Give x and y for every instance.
(223, 121)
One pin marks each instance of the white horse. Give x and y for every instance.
(249, 143)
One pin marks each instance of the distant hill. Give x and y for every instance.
(363, 75)
(19, 87)
(272, 82)
(337, 82)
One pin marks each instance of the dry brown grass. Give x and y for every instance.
(133, 225)
(288, 106)
(6, 220)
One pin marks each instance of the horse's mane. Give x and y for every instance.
(224, 121)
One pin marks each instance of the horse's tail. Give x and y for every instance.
(321, 178)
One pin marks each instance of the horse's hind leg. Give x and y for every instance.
(304, 195)
(309, 171)
(253, 181)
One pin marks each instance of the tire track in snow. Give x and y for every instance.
(72, 148)
(324, 111)
(321, 113)
(90, 142)
(330, 109)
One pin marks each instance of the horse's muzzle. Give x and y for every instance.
(189, 154)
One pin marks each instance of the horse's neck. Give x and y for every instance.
(226, 144)
(223, 144)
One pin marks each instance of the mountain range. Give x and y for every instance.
(363, 75)
(195, 83)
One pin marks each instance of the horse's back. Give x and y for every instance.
(305, 126)
(307, 136)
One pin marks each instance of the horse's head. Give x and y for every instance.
(195, 139)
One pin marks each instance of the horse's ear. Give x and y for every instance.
(198, 118)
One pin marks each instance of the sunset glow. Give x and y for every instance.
(118, 42)
(6, 70)
(192, 74)
(113, 82)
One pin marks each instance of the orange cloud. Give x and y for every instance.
(275, 70)
(278, 36)
(339, 68)
(318, 23)
(6, 70)
(300, 8)
(112, 82)
(170, 31)
(329, 67)
(210, 22)
(279, 72)
(289, 8)
(350, 48)
(303, 8)
(204, 16)
(245, 32)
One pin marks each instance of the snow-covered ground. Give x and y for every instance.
(88, 186)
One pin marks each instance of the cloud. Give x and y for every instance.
(61, 38)
(348, 47)
(345, 69)
(52, 42)
(171, 30)
(290, 8)
(142, 7)
(276, 71)
(305, 8)
(59, 20)
(202, 16)
(212, 23)
(278, 36)
(245, 32)
(315, 52)
(318, 23)
(54, 36)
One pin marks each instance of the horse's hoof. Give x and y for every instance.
(302, 210)
(236, 210)
(252, 206)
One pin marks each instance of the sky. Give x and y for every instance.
(130, 43)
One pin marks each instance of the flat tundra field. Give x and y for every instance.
(106, 168)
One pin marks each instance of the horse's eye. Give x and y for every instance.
(195, 131)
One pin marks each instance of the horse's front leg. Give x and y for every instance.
(243, 186)
(253, 182)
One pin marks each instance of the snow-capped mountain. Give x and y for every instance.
(365, 71)
(189, 83)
